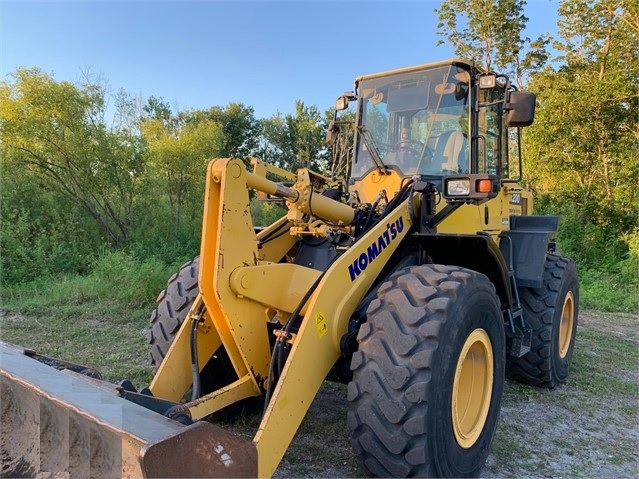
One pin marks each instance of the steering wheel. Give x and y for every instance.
(415, 153)
(412, 146)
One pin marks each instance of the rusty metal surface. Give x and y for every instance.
(60, 364)
(39, 437)
(62, 424)
(201, 450)
(19, 451)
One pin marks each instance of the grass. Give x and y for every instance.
(609, 289)
(603, 367)
(98, 321)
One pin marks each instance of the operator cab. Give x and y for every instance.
(416, 122)
(434, 121)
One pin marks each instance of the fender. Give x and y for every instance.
(477, 252)
(525, 246)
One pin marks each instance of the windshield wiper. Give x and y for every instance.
(372, 148)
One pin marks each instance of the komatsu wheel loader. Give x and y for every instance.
(421, 281)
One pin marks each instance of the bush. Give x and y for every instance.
(33, 248)
(265, 213)
(608, 260)
(118, 276)
(114, 277)
(607, 292)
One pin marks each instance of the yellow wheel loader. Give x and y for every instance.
(421, 281)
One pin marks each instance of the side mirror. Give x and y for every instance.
(520, 109)
(342, 101)
(331, 134)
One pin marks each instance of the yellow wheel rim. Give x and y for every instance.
(472, 388)
(566, 324)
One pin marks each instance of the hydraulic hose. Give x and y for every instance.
(195, 367)
(196, 390)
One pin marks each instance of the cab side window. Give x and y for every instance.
(493, 144)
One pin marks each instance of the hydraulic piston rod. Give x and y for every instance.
(302, 197)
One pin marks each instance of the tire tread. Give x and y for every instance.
(172, 302)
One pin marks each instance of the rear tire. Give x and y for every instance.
(552, 312)
(429, 374)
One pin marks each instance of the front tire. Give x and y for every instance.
(552, 312)
(173, 307)
(429, 374)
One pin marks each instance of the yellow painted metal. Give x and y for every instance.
(173, 378)
(516, 200)
(417, 68)
(472, 388)
(228, 240)
(257, 283)
(242, 284)
(467, 219)
(234, 392)
(316, 346)
(279, 241)
(369, 186)
(566, 324)
(262, 183)
(261, 168)
(303, 198)
(311, 201)
(492, 216)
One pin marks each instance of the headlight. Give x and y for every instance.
(458, 187)
(472, 188)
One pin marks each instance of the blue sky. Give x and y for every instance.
(265, 54)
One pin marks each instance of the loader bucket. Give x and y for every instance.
(64, 424)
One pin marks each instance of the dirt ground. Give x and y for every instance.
(582, 429)
(570, 431)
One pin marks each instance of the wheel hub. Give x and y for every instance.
(472, 388)
(566, 324)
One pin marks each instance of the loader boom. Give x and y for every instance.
(240, 300)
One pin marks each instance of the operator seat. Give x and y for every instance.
(451, 150)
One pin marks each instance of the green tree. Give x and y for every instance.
(42, 231)
(180, 147)
(491, 31)
(583, 146)
(296, 141)
(240, 128)
(55, 130)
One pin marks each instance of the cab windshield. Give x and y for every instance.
(416, 122)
